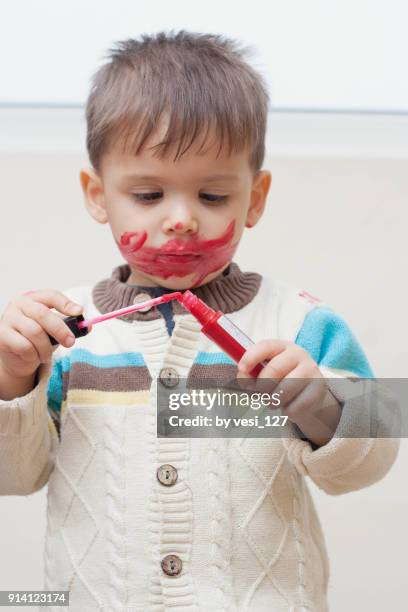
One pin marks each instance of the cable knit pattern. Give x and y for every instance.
(71, 497)
(265, 557)
(114, 433)
(239, 517)
(220, 536)
(298, 530)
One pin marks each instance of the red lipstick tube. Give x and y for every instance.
(220, 329)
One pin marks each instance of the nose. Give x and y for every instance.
(181, 221)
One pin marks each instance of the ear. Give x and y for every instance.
(259, 192)
(94, 196)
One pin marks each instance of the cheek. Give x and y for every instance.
(240, 212)
(132, 241)
(240, 225)
(124, 216)
(214, 224)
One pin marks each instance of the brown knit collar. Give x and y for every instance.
(227, 293)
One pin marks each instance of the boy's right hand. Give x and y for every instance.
(24, 325)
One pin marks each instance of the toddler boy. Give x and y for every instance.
(176, 140)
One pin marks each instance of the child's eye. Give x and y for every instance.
(148, 197)
(212, 197)
(156, 195)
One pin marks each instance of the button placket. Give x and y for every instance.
(167, 474)
(171, 565)
(142, 297)
(169, 377)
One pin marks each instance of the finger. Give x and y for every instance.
(246, 383)
(275, 371)
(302, 411)
(53, 299)
(290, 388)
(295, 381)
(12, 342)
(49, 321)
(278, 367)
(300, 390)
(265, 349)
(33, 332)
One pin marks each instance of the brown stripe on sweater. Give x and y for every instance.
(221, 377)
(221, 372)
(65, 383)
(55, 421)
(126, 378)
(138, 378)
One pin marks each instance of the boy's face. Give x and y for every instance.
(177, 224)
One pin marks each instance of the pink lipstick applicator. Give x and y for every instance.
(215, 324)
(176, 295)
(79, 326)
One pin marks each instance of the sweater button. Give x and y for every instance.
(167, 474)
(168, 377)
(142, 297)
(171, 565)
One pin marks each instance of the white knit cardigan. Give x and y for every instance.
(240, 515)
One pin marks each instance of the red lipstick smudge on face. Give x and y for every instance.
(126, 241)
(179, 257)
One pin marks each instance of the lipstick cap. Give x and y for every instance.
(72, 324)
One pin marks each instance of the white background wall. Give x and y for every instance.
(316, 54)
(335, 224)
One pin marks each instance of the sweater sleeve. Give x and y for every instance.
(365, 443)
(28, 439)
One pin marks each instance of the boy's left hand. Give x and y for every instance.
(305, 396)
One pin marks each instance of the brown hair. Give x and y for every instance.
(197, 81)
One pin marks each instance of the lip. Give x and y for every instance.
(178, 256)
(180, 253)
(178, 249)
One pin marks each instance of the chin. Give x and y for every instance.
(185, 282)
(176, 283)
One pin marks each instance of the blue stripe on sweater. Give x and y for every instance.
(331, 343)
(54, 390)
(215, 358)
(113, 360)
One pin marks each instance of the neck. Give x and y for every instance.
(141, 285)
(228, 292)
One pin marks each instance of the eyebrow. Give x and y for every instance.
(221, 177)
(154, 177)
